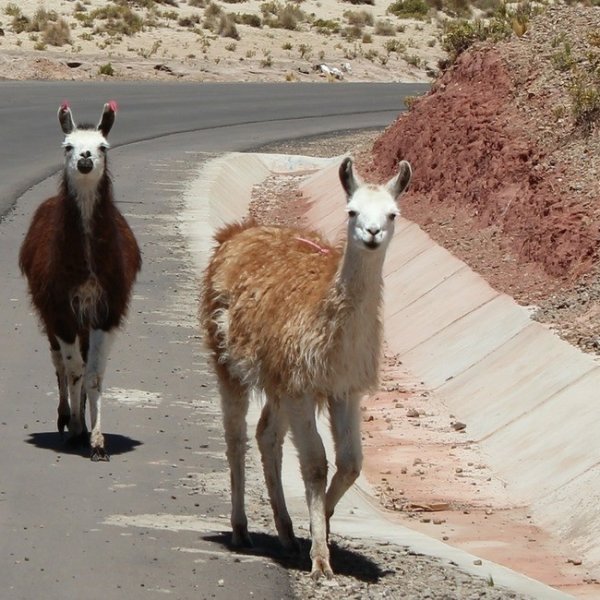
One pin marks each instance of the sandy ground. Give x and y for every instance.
(175, 43)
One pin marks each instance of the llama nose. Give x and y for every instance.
(373, 230)
(85, 164)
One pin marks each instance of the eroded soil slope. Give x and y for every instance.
(505, 177)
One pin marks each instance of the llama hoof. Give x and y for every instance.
(321, 568)
(63, 421)
(241, 539)
(78, 440)
(99, 455)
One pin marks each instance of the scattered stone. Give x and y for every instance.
(412, 413)
(458, 426)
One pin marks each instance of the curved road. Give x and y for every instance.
(30, 135)
(151, 523)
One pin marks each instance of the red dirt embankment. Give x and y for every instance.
(483, 186)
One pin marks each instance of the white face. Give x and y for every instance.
(85, 156)
(371, 214)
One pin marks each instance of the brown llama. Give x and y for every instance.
(286, 313)
(81, 259)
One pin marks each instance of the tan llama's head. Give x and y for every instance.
(372, 209)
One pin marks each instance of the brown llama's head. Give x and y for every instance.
(85, 148)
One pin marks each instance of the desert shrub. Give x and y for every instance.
(358, 17)
(57, 33)
(284, 16)
(12, 10)
(267, 61)
(212, 10)
(305, 50)
(326, 26)
(371, 54)
(231, 47)
(409, 9)
(585, 102)
(287, 46)
(384, 28)
(367, 38)
(117, 20)
(394, 46)
(370, 2)
(106, 69)
(563, 59)
(249, 19)
(227, 27)
(352, 32)
(41, 18)
(197, 3)
(412, 59)
(20, 23)
(189, 21)
(489, 8)
(460, 35)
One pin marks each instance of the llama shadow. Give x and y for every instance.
(52, 440)
(344, 561)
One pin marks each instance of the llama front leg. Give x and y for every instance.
(74, 369)
(313, 465)
(270, 434)
(64, 411)
(344, 415)
(234, 405)
(100, 344)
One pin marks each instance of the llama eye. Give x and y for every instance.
(68, 148)
(352, 214)
(392, 216)
(103, 149)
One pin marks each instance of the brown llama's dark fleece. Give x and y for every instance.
(55, 259)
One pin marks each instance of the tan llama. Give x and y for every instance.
(286, 313)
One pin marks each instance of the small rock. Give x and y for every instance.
(458, 426)
(412, 413)
(478, 562)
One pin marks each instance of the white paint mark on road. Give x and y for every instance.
(132, 397)
(169, 522)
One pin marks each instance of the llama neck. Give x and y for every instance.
(359, 277)
(86, 196)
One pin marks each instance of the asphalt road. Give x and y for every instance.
(153, 521)
(30, 134)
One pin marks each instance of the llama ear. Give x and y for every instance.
(108, 117)
(349, 182)
(399, 183)
(65, 118)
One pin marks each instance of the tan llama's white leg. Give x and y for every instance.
(234, 405)
(100, 344)
(74, 369)
(344, 415)
(313, 465)
(64, 411)
(270, 433)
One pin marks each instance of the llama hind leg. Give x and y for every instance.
(64, 411)
(270, 433)
(313, 465)
(344, 414)
(99, 346)
(234, 406)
